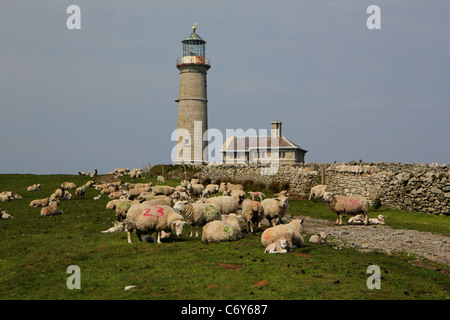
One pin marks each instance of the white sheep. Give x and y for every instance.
(214, 188)
(162, 190)
(40, 202)
(97, 197)
(51, 210)
(68, 185)
(146, 219)
(380, 220)
(255, 194)
(218, 230)
(34, 187)
(6, 197)
(359, 218)
(317, 191)
(275, 208)
(197, 214)
(223, 187)
(239, 195)
(195, 190)
(226, 204)
(347, 205)
(291, 232)
(318, 238)
(118, 227)
(252, 213)
(206, 193)
(80, 192)
(180, 196)
(280, 246)
(5, 215)
(231, 186)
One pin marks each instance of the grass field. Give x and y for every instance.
(36, 251)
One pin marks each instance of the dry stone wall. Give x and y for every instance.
(420, 187)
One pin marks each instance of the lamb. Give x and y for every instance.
(146, 219)
(97, 197)
(51, 209)
(5, 215)
(281, 246)
(118, 226)
(347, 205)
(79, 192)
(218, 230)
(195, 190)
(317, 191)
(226, 204)
(252, 213)
(255, 194)
(34, 187)
(291, 232)
(318, 238)
(275, 208)
(197, 214)
(40, 202)
(359, 218)
(380, 220)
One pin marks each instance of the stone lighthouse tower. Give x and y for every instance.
(192, 102)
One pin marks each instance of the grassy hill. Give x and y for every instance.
(36, 251)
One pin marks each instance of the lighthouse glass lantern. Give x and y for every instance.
(193, 49)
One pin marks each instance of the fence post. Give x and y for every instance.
(322, 174)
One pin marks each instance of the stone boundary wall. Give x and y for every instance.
(420, 187)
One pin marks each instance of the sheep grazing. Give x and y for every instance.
(51, 210)
(225, 204)
(5, 215)
(118, 227)
(195, 190)
(146, 219)
(318, 238)
(380, 220)
(80, 192)
(40, 202)
(347, 205)
(281, 246)
(255, 194)
(317, 191)
(34, 187)
(160, 180)
(291, 232)
(197, 214)
(218, 231)
(275, 208)
(252, 213)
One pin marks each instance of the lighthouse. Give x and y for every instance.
(191, 145)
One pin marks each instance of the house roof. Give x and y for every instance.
(245, 144)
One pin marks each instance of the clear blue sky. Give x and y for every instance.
(103, 97)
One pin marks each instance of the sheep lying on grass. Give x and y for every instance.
(197, 214)
(51, 210)
(347, 205)
(40, 202)
(146, 219)
(252, 213)
(68, 185)
(275, 208)
(5, 215)
(218, 231)
(291, 232)
(318, 238)
(118, 227)
(380, 220)
(280, 246)
(162, 190)
(34, 187)
(317, 191)
(359, 218)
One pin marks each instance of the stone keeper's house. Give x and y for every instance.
(262, 149)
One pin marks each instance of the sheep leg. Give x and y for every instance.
(366, 220)
(196, 231)
(138, 233)
(192, 231)
(159, 237)
(129, 235)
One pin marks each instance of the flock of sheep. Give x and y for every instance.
(217, 209)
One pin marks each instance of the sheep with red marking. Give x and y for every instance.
(197, 214)
(347, 205)
(146, 219)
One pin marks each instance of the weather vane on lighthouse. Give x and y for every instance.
(194, 26)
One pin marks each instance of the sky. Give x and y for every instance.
(102, 97)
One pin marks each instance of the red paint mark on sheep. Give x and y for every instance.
(159, 212)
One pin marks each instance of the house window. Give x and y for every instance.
(186, 142)
(261, 154)
(282, 154)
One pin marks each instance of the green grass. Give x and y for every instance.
(35, 252)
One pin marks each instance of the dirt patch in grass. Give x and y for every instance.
(261, 283)
(231, 266)
(302, 254)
